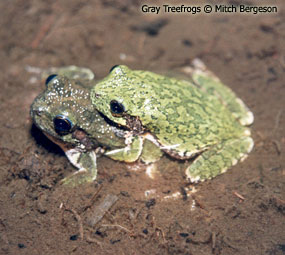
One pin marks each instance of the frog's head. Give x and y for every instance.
(126, 95)
(63, 108)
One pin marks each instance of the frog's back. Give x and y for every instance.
(184, 114)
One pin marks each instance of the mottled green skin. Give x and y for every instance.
(176, 111)
(187, 118)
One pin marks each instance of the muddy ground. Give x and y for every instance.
(239, 212)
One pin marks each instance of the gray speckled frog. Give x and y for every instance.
(139, 115)
(65, 114)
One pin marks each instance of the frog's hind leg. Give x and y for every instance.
(219, 158)
(85, 162)
(208, 81)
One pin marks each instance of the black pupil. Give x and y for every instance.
(116, 107)
(62, 125)
(50, 78)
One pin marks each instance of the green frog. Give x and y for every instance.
(136, 115)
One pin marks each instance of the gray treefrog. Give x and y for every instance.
(139, 115)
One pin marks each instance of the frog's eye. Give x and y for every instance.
(112, 68)
(50, 78)
(62, 125)
(117, 109)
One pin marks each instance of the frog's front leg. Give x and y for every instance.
(85, 162)
(219, 158)
(137, 147)
(130, 153)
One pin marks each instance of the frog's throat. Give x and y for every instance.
(65, 146)
(84, 139)
(85, 144)
(135, 125)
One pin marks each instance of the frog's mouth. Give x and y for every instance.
(83, 140)
(112, 123)
(133, 124)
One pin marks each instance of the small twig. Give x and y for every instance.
(277, 145)
(279, 200)
(239, 195)
(99, 211)
(92, 199)
(214, 237)
(162, 234)
(22, 156)
(277, 121)
(116, 226)
(229, 244)
(93, 240)
(42, 32)
(138, 212)
(79, 220)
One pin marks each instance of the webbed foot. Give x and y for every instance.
(219, 159)
(86, 163)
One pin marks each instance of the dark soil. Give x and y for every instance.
(239, 212)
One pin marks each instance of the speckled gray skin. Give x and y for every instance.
(70, 97)
(184, 118)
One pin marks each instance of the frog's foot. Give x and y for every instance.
(151, 152)
(139, 147)
(130, 153)
(208, 81)
(86, 163)
(152, 171)
(219, 159)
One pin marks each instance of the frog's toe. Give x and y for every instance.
(79, 177)
(219, 159)
(243, 114)
(86, 163)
